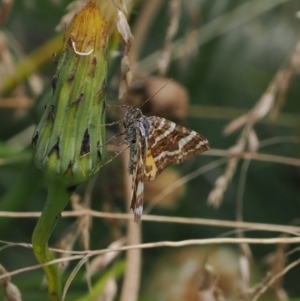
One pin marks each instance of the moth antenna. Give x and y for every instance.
(117, 154)
(156, 92)
(112, 123)
(117, 106)
(118, 121)
(113, 106)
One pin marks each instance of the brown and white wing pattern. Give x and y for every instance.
(154, 144)
(138, 182)
(170, 143)
(137, 128)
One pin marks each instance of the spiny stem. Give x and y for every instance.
(57, 199)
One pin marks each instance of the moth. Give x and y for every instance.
(155, 143)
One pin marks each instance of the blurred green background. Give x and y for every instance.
(237, 54)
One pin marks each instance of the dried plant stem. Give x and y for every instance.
(171, 244)
(140, 28)
(244, 260)
(131, 284)
(274, 278)
(254, 156)
(162, 219)
(218, 26)
(240, 193)
(57, 199)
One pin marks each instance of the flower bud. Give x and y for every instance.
(67, 141)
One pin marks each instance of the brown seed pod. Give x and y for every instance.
(170, 102)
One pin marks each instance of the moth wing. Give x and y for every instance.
(137, 183)
(170, 143)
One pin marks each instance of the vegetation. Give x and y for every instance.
(223, 225)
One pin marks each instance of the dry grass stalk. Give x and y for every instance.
(131, 283)
(66, 243)
(140, 29)
(72, 276)
(125, 32)
(174, 14)
(247, 141)
(79, 229)
(294, 230)
(272, 100)
(284, 79)
(276, 263)
(245, 251)
(84, 223)
(189, 46)
(253, 142)
(272, 279)
(216, 195)
(101, 261)
(88, 254)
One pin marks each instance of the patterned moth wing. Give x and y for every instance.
(154, 144)
(170, 143)
(138, 181)
(137, 129)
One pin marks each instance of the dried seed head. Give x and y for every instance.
(124, 28)
(263, 107)
(253, 142)
(3, 281)
(170, 102)
(215, 197)
(12, 293)
(235, 124)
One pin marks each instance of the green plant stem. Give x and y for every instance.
(57, 199)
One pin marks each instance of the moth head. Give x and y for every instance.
(132, 114)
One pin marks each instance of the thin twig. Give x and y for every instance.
(164, 219)
(131, 283)
(254, 156)
(274, 278)
(207, 241)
